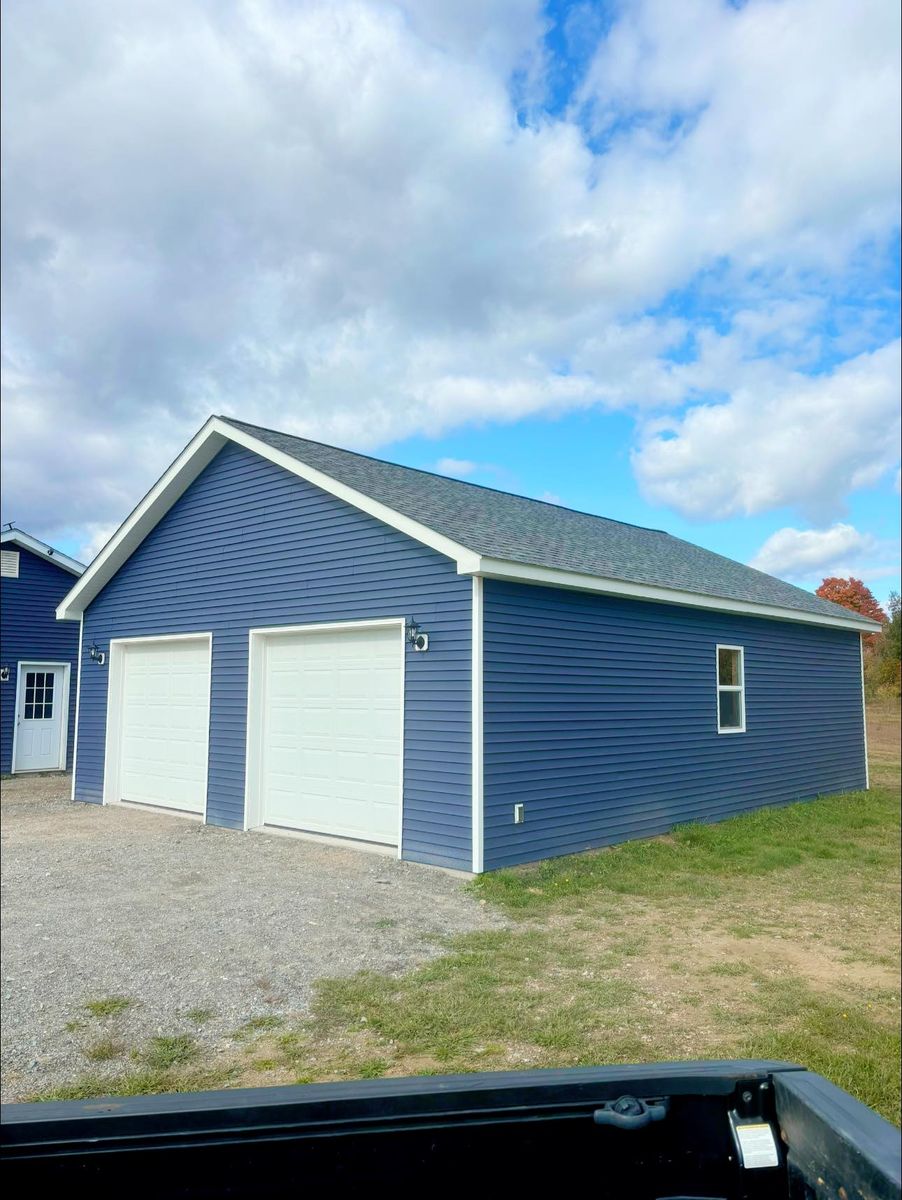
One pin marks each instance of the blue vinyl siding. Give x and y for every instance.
(601, 717)
(250, 544)
(29, 630)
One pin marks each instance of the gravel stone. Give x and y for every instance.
(179, 916)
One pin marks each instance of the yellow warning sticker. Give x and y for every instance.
(757, 1145)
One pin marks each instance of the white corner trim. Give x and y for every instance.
(864, 718)
(477, 748)
(402, 735)
(81, 638)
(18, 538)
(493, 568)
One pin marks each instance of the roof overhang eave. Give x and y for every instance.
(515, 572)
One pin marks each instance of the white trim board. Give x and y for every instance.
(215, 433)
(477, 739)
(112, 755)
(256, 696)
(493, 568)
(199, 452)
(81, 639)
(730, 687)
(864, 718)
(21, 667)
(19, 538)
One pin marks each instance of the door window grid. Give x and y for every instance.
(39, 695)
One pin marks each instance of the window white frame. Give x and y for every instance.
(731, 687)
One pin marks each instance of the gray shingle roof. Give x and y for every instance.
(501, 525)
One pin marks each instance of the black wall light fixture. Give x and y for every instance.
(96, 655)
(4, 674)
(416, 637)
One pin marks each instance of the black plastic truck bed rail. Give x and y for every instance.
(744, 1129)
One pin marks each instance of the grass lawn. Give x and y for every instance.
(771, 935)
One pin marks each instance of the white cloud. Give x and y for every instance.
(782, 439)
(97, 538)
(460, 467)
(746, 126)
(807, 554)
(328, 218)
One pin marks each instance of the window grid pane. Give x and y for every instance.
(730, 690)
(728, 668)
(39, 695)
(730, 710)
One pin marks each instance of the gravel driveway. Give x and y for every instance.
(177, 916)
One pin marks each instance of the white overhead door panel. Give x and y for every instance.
(164, 723)
(331, 732)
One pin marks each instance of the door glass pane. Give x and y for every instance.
(728, 668)
(29, 712)
(29, 679)
(29, 695)
(39, 679)
(730, 710)
(48, 711)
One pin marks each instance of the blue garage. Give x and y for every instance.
(38, 655)
(288, 636)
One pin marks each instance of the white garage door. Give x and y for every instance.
(331, 732)
(165, 714)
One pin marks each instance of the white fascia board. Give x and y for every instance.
(42, 550)
(197, 454)
(466, 559)
(205, 444)
(493, 568)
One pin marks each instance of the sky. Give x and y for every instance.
(636, 258)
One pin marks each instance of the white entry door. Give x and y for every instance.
(330, 754)
(161, 688)
(41, 717)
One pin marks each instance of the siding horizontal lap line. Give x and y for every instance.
(637, 798)
(570, 843)
(600, 717)
(249, 544)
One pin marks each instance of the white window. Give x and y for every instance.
(730, 689)
(9, 564)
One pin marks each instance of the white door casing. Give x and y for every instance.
(158, 722)
(325, 729)
(41, 731)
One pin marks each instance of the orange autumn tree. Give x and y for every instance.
(852, 593)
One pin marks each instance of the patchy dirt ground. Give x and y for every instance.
(166, 926)
(774, 935)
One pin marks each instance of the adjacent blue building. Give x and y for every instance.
(38, 656)
(288, 636)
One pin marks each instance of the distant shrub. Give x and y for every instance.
(883, 659)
